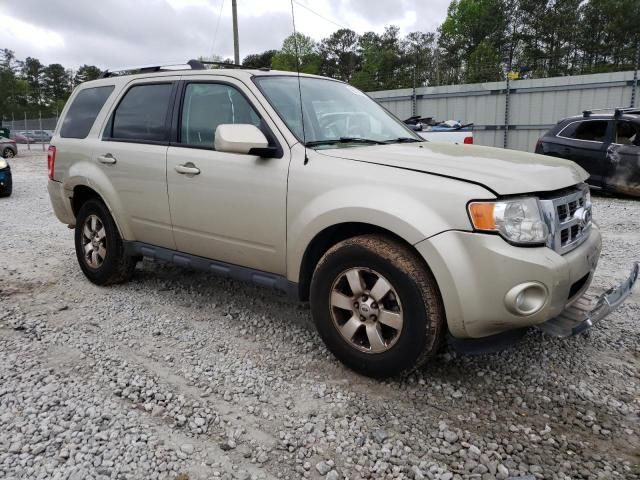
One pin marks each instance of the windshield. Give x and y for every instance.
(335, 114)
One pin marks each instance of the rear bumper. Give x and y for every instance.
(476, 274)
(61, 202)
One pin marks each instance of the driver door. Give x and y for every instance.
(232, 208)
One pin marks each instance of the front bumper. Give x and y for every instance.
(476, 272)
(589, 310)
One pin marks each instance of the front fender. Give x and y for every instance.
(401, 213)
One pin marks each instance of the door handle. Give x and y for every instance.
(107, 159)
(187, 169)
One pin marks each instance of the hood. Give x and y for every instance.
(505, 172)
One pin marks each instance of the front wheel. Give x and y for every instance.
(377, 306)
(99, 248)
(8, 153)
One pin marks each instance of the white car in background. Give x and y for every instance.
(450, 131)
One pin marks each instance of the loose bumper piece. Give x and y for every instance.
(589, 310)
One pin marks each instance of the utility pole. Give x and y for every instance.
(236, 47)
(634, 85)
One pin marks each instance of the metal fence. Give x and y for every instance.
(513, 115)
(505, 114)
(30, 123)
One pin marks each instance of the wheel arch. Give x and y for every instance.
(82, 192)
(331, 236)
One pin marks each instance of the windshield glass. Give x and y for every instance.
(335, 114)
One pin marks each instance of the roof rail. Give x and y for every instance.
(202, 64)
(617, 111)
(191, 64)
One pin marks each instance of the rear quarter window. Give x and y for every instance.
(142, 113)
(83, 111)
(590, 130)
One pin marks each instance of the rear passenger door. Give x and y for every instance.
(585, 142)
(133, 153)
(234, 208)
(623, 156)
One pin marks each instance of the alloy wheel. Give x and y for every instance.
(94, 241)
(366, 310)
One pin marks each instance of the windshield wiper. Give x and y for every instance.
(403, 140)
(333, 141)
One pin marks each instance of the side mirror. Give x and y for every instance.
(242, 138)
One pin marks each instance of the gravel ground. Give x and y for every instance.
(181, 375)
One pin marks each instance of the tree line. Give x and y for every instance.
(479, 40)
(28, 86)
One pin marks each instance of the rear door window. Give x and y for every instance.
(83, 111)
(592, 130)
(141, 115)
(627, 133)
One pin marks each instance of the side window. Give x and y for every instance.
(83, 111)
(627, 133)
(207, 105)
(142, 113)
(593, 130)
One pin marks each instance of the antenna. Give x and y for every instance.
(295, 41)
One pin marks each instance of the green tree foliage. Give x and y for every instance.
(477, 42)
(32, 73)
(297, 48)
(86, 73)
(34, 88)
(259, 60)
(340, 54)
(56, 83)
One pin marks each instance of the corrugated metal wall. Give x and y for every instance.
(535, 105)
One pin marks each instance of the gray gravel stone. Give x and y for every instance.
(88, 389)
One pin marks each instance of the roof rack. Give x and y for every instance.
(617, 111)
(191, 64)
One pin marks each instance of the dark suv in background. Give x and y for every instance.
(605, 144)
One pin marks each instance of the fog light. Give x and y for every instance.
(526, 299)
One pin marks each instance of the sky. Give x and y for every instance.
(118, 33)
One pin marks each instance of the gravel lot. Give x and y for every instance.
(181, 375)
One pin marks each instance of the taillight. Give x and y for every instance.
(468, 140)
(51, 160)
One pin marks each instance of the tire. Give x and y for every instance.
(8, 153)
(97, 232)
(402, 343)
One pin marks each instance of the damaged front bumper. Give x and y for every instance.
(588, 310)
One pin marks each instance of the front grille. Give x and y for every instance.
(568, 217)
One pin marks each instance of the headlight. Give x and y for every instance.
(518, 220)
(3, 164)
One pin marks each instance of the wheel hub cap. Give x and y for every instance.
(366, 310)
(94, 241)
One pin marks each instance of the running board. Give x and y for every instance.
(222, 269)
(589, 310)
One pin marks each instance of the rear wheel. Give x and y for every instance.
(8, 153)
(376, 306)
(99, 248)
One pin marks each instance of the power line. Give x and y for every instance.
(215, 33)
(319, 15)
